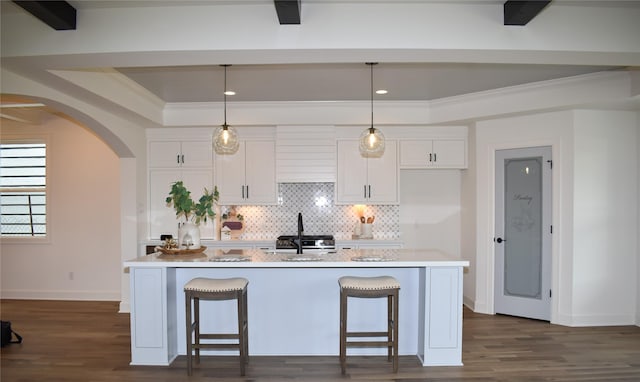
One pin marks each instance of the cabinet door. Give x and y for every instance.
(382, 175)
(197, 154)
(415, 153)
(165, 154)
(196, 181)
(351, 177)
(449, 153)
(260, 170)
(230, 177)
(162, 218)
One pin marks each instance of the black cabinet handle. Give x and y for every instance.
(435, 157)
(247, 191)
(178, 159)
(365, 191)
(500, 240)
(369, 191)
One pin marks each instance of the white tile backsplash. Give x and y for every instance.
(320, 215)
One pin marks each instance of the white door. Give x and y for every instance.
(523, 232)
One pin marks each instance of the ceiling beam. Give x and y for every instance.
(59, 15)
(288, 11)
(521, 12)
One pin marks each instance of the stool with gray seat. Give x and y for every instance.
(370, 287)
(216, 289)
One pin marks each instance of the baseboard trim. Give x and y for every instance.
(61, 295)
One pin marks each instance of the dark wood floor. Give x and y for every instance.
(89, 341)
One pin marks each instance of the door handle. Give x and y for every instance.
(499, 240)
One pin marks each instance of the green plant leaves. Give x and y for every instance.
(181, 200)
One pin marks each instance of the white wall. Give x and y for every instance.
(468, 217)
(605, 218)
(83, 197)
(430, 209)
(595, 204)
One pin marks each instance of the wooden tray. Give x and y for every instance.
(176, 251)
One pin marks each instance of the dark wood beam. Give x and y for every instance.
(59, 15)
(521, 12)
(288, 11)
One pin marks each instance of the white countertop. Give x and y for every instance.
(253, 258)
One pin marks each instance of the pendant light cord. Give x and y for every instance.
(225, 96)
(371, 65)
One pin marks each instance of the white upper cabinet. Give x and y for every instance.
(174, 154)
(366, 180)
(436, 153)
(248, 176)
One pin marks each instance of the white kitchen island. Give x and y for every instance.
(294, 302)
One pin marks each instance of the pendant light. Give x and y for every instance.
(225, 139)
(372, 139)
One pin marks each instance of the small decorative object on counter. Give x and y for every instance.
(170, 243)
(225, 234)
(367, 231)
(234, 222)
(192, 212)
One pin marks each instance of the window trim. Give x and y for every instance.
(27, 139)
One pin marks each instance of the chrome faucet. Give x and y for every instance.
(298, 241)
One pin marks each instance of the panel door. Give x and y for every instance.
(165, 154)
(197, 154)
(449, 153)
(351, 179)
(260, 172)
(382, 176)
(523, 233)
(230, 176)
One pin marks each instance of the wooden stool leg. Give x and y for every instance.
(241, 339)
(343, 331)
(395, 330)
(187, 300)
(196, 316)
(246, 325)
(389, 327)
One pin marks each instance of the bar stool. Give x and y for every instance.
(370, 287)
(216, 289)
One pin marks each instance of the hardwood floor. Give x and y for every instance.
(89, 341)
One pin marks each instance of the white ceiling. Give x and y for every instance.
(293, 79)
(331, 81)
(340, 82)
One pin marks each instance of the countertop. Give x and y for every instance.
(255, 258)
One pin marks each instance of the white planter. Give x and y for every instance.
(189, 236)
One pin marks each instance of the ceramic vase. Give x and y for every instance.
(189, 236)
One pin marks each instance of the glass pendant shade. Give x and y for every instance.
(225, 140)
(372, 143)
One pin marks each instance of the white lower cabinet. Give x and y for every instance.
(162, 218)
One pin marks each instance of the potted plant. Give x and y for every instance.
(193, 213)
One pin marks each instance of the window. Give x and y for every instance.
(23, 208)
